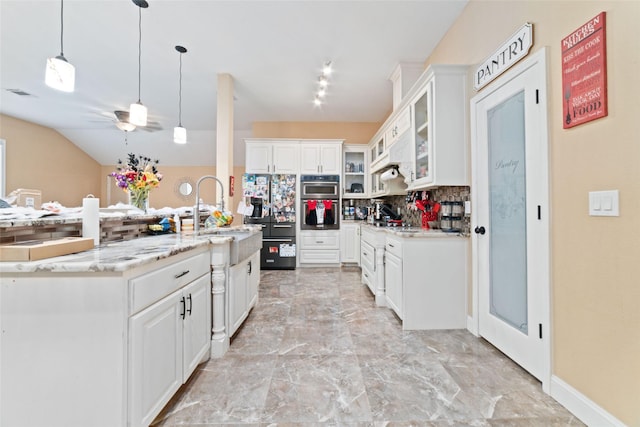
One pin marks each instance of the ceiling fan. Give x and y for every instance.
(121, 120)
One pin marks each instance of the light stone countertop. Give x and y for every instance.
(122, 255)
(412, 231)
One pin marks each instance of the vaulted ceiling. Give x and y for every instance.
(273, 49)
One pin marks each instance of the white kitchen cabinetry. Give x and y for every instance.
(102, 348)
(320, 247)
(271, 157)
(439, 149)
(321, 158)
(350, 243)
(393, 275)
(253, 280)
(355, 171)
(380, 188)
(167, 341)
(398, 127)
(426, 280)
(242, 291)
(372, 243)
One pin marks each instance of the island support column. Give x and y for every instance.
(219, 269)
(224, 136)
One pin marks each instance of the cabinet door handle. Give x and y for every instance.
(184, 308)
(268, 168)
(190, 304)
(366, 275)
(390, 245)
(365, 254)
(249, 267)
(282, 226)
(319, 241)
(177, 276)
(274, 167)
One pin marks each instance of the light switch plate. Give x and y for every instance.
(604, 203)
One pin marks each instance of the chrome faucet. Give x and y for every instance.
(196, 212)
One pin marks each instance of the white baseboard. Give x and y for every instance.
(581, 406)
(471, 326)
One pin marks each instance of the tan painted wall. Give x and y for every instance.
(595, 270)
(166, 195)
(33, 149)
(40, 158)
(352, 133)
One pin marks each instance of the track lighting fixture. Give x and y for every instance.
(60, 74)
(323, 82)
(137, 111)
(179, 132)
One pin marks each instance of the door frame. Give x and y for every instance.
(539, 58)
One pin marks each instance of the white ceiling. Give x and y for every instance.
(273, 49)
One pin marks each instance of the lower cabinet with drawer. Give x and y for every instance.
(169, 338)
(319, 247)
(102, 348)
(426, 279)
(372, 244)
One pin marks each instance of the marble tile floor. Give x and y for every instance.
(317, 351)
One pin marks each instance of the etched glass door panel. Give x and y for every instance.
(507, 204)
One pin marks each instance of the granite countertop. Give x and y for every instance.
(33, 218)
(123, 255)
(412, 231)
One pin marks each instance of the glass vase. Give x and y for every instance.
(139, 198)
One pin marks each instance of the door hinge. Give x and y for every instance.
(540, 330)
(539, 212)
(537, 96)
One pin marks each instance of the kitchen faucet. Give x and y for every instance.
(196, 212)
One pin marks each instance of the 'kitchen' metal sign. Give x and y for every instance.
(512, 51)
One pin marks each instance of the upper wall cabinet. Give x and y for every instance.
(271, 156)
(321, 157)
(355, 177)
(439, 143)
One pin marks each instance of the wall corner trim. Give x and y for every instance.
(581, 406)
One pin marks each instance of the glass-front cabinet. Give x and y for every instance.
(439, 146)
(355, 166)
(422, 138)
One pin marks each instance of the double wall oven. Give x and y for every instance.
(320, 202)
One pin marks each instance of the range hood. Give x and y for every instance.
(398, 153)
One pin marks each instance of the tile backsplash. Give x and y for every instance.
(440, 194)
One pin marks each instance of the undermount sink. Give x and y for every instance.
(243, 245)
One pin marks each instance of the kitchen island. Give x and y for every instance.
(105, 337)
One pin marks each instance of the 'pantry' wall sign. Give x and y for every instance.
(512, 51)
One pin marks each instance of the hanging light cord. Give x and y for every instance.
(61, 27)
(139, 50)
(180, 95)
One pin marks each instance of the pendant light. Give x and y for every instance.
(60, 73)
(137, 111)
(179, 132)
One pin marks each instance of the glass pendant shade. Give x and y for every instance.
(138, 114)
(60, 74)
(179, 135)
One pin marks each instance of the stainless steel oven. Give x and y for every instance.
(320, 187)
(320, 202)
